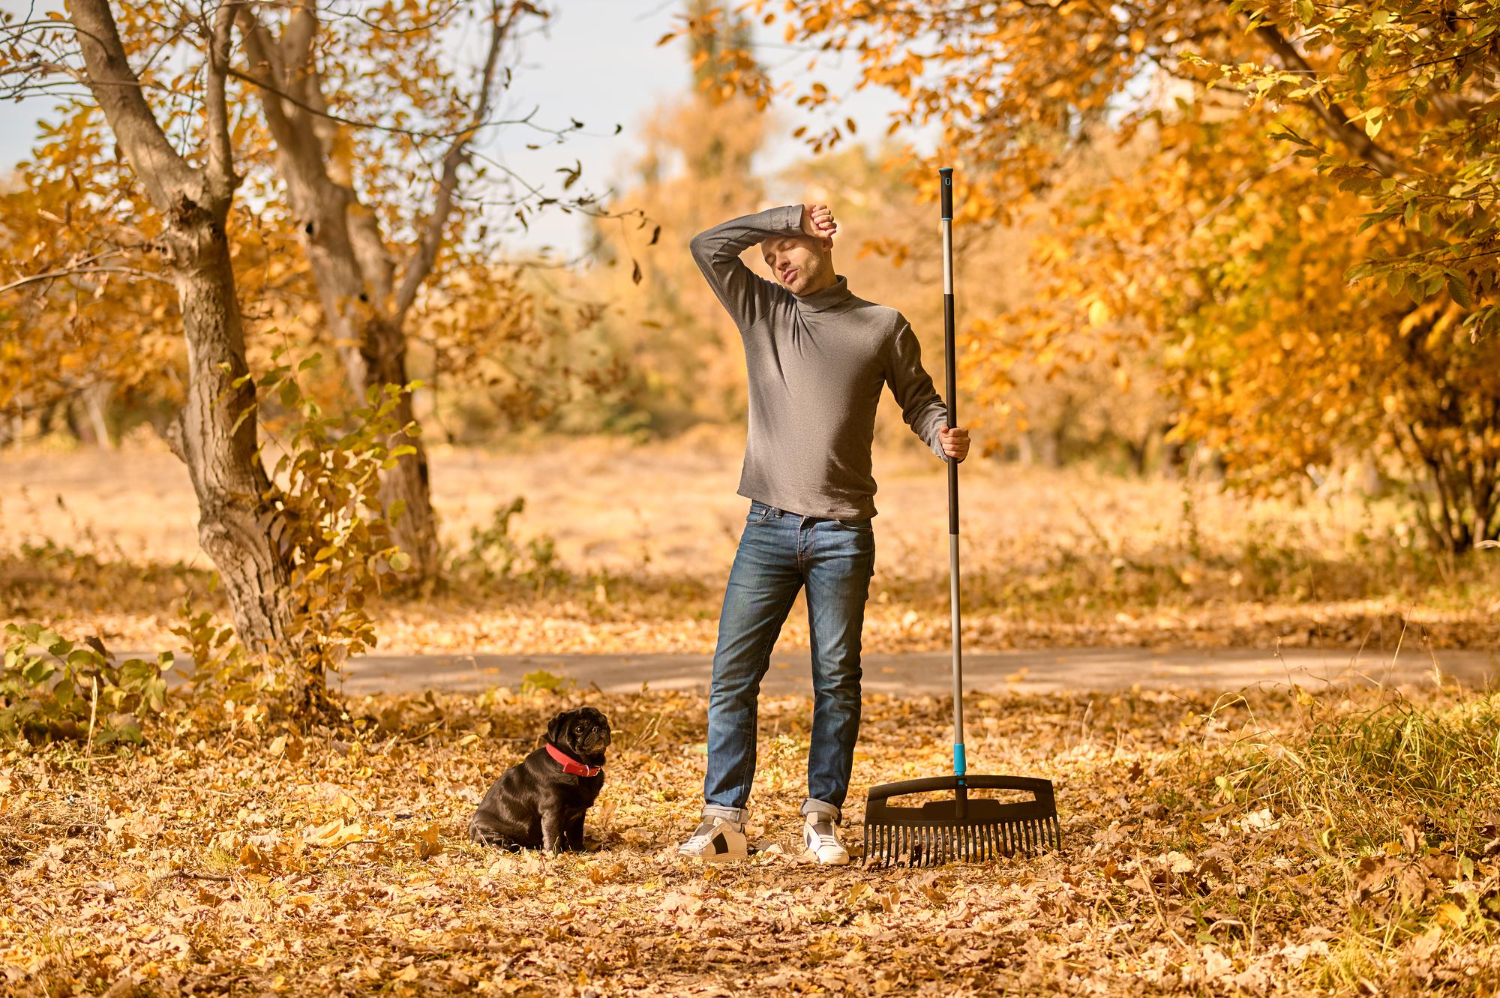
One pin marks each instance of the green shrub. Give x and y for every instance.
(69, 691)
(494, 556)
(541, 679)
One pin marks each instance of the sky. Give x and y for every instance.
(597, 61)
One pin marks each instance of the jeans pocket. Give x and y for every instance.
(758, 511)
(863, 526)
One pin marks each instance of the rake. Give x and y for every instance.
(959, 829)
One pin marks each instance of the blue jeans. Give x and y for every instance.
(779, 551)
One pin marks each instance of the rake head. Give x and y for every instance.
(960, 829)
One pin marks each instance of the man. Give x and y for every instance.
(817, 357)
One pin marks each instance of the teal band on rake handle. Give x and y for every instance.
(958, 759)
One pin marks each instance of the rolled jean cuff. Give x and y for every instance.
(811, 806)
(735, 814)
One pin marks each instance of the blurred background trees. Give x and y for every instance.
(1253, 237)
(1280, 209)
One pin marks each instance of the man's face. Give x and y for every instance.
(798, 262)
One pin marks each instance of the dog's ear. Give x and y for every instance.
(556, 728)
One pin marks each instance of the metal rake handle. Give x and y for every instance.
(945, 175)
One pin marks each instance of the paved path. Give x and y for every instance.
(1051, 670)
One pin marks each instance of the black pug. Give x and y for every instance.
(541, 800)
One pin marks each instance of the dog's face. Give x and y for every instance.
(582, 731)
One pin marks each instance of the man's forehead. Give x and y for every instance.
(780, 242)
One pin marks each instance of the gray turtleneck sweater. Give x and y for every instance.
(816, 364)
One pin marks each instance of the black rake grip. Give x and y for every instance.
(1041, 788)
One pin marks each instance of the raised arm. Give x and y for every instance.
(746, 295)
(921, 405)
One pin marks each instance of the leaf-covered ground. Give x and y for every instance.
(1287, 845)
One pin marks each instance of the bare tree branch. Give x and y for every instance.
(425, 256)
(1334, 118)
(220, 148)
(49, 275)
(165, 175)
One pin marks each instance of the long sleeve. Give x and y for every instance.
(747, 296)
(921, 405)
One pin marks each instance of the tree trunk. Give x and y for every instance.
(409, 481)
(95, 399)
(365, 305)
(371, 346)
(238, 524)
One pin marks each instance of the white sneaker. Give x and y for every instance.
(820, 836)
(717, 839)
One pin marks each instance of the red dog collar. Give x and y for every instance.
(571, 765)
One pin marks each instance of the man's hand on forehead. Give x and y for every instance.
(817, 221)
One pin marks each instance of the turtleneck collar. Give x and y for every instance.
(830, 297)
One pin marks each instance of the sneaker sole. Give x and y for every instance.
(812, 857)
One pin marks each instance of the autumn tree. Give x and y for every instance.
(144, 192)
(190, 192)
(1307, 246)
(372, 247)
